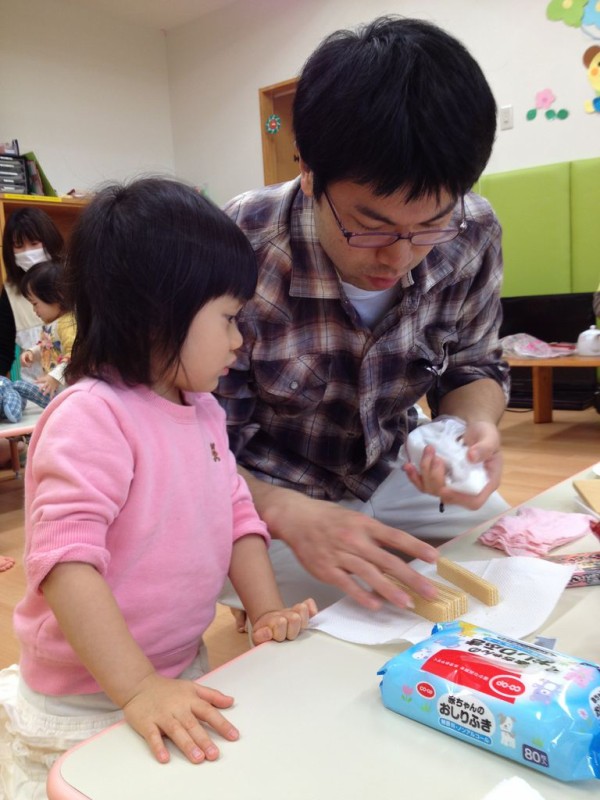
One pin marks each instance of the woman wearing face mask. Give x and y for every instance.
(30, 236)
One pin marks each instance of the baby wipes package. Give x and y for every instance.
(533, 705)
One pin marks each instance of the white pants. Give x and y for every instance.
(35, 729)
(396, 503)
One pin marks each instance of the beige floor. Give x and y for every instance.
(536, 457)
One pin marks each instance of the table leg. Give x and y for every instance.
(15, 456)
(542, 393)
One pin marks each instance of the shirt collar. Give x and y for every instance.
(313, 273)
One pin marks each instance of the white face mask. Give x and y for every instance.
(29, 258)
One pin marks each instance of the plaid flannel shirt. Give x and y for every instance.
(317, 401)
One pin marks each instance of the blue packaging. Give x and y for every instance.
(525, 702)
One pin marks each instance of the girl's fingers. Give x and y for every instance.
(262, 634)
(213, 696)
(208, 714)
(156, 744)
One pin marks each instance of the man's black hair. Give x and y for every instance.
(396, 104)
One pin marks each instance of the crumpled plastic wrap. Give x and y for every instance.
(445, 434)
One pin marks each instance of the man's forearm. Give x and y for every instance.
(268, 499)
(479, 401)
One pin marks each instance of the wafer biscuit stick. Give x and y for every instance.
(469, 582)
(456, 599)
(589, 491)
(446, 607)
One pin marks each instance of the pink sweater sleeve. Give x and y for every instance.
(76, 483)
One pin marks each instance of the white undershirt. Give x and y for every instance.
(371, 307)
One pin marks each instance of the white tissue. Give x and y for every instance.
(445, 434)
(529, 589)
(513, 789)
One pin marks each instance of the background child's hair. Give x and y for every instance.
(33, 225)
(45, 280)
(142, 261)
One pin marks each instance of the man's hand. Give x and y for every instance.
(347, 549)
(285, 623)
(174, 708)
(483, 442)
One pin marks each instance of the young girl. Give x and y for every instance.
(29, 236)
(135, 512)
(42, 286)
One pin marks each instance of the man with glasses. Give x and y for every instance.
(379, 283)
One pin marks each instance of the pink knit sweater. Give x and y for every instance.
(147, 492)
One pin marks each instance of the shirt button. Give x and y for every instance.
(294, 385)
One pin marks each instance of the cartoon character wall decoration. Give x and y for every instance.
(591, 61)
(583, 14)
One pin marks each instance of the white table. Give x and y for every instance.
(13, 430)
(313, 726)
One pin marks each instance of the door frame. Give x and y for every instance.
(267, 97)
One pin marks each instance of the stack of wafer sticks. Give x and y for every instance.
(589, 491)
(451, 602)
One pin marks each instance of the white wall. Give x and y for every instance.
(217, 64)
(87, 93)
(98, 98)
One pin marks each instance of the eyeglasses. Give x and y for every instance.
(422, 238)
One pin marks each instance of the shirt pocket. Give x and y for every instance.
(293, 387)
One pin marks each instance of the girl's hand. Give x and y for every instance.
(26, 358)
(48, 385)
(174, 708)
(285, 623)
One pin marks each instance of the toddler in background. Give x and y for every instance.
(135, 512)
(29, 237)
(43, 287)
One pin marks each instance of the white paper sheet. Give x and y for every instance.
(529, 590)
(513, 789)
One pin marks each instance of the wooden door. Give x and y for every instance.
(280, 157)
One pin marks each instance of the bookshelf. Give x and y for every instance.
(62, 210)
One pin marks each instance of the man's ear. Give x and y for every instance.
(306, 179)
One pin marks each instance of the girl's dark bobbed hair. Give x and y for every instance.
(142, 261)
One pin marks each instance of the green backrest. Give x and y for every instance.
(533, 206)
(585, 224)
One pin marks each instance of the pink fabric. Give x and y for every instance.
(534, 531)
(147, 492)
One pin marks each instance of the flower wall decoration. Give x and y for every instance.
(576, 13)
(273, 124)
(544, 99)
(568, 11)
(543, 102)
